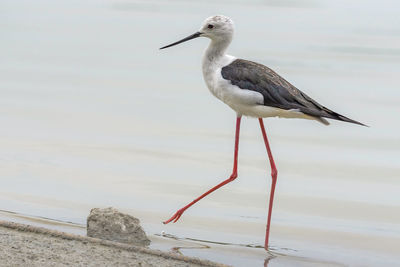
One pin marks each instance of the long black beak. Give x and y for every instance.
(190, 37)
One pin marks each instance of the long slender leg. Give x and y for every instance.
(233, 176)
(274, 175)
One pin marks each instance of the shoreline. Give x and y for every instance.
(27, 244)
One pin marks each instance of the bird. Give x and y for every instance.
(252, 90)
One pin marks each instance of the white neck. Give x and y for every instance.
(214, 58)
(216, 49)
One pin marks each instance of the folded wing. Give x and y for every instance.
(277, 92)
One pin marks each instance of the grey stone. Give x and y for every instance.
(110, 224)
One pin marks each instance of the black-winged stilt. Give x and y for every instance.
(250, 89)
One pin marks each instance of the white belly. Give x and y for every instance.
(250, 103)
(261, 111)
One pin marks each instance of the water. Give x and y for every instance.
(94, 115)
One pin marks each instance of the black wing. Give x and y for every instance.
(277, 92)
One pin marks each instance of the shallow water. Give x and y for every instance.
(94, 115)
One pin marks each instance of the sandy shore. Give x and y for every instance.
(22, 245)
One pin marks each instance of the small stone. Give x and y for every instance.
(110, 224)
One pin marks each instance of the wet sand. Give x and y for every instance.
(22, 245)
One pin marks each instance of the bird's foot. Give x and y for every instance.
(176, 216)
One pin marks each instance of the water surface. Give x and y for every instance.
(92, 114)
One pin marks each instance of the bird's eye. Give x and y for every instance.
(210, 26)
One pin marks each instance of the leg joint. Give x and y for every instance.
(233, 177)
(274, 173)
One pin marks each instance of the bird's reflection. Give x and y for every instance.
(269, 258)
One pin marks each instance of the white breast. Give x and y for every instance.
(224, 90)
(212, 73)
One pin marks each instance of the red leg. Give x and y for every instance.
(274, 174)
(233, 176)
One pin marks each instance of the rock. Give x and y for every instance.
(110, 224)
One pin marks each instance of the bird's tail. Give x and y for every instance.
(336, 116)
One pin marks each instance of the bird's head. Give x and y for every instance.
(217, 28)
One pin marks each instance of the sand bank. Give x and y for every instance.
(22, 244)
